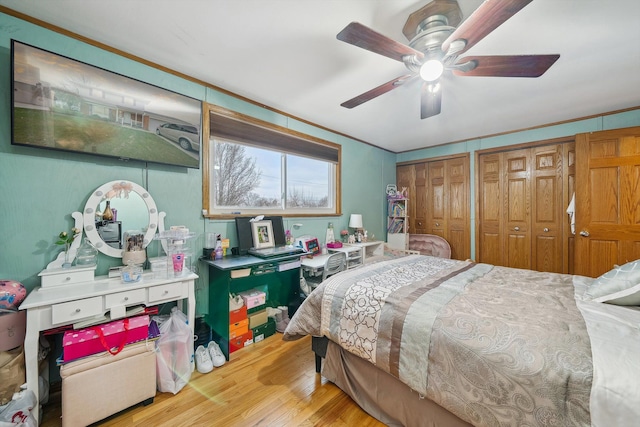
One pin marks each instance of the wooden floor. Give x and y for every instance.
(271, 383)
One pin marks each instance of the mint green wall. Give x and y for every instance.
(39, 189)
(606, 122)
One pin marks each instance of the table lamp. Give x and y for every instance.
(355, 221)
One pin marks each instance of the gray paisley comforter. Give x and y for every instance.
(493, 345)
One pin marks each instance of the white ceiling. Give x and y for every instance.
(284, 54)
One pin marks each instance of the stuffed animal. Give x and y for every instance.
(12, 294)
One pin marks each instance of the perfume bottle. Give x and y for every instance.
(107, 215)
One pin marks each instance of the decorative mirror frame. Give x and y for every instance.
(116, 189)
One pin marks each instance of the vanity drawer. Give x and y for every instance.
(136, 296)
(162, 292)
(73, 311)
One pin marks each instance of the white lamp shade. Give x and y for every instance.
(355, 221)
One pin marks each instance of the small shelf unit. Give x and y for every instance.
(397, 223)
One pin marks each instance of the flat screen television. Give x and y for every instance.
(62, 104)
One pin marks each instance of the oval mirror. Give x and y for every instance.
(134, 208)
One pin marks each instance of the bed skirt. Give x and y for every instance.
(381, 395)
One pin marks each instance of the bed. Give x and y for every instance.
(426, 341)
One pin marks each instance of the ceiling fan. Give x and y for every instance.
(436, 39)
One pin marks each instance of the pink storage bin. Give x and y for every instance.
(12, 329)
(85, 342)
(253, 298)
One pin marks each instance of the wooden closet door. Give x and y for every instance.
(420, 225)
(490, 212)
(438, 199)
(569, 188)
(405, 177)
(414, 178)
(517, 208)
(547, 209)
(457, 208)
(607, 200)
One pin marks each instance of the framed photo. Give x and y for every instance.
(262, 232)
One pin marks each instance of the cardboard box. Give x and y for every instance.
(238, 315)
(242, 341)
(263, 331)
(253, 298)
(258, 318)
(87, 341)
(239, 328)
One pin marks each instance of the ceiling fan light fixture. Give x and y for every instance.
(431, 70)
(433, 87)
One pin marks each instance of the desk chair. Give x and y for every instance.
(334, 264)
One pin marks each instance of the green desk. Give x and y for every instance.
(279, 277)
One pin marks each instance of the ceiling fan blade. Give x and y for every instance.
(430, 100)
(489, 16)
(369, 95)
(358, 35)
(507, 66)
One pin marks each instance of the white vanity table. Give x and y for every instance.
(68, 295)
(67, 304)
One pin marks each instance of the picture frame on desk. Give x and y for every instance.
(262, 232)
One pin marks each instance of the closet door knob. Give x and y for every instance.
(516, 228)
(546, 230)
(584, 233)
(437, 224)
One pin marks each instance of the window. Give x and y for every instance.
(258, 168)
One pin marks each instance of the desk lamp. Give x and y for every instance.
(355, 221)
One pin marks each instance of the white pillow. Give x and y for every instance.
(620, 286)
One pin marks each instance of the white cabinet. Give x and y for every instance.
(354, 255)
(397, 223)
(367, 249)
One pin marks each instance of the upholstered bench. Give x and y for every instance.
(98, 386)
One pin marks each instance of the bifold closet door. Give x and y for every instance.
(458, 207)
(490, 211)
(547, 209)
(414, 178)
(517, 208)
(523, 197)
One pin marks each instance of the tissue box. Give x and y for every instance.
(253, 298)
(87, 341)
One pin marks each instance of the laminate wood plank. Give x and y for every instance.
(270, 383)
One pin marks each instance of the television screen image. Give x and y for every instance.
(63, 104)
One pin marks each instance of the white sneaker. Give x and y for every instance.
(217, 358)
(204, 364)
